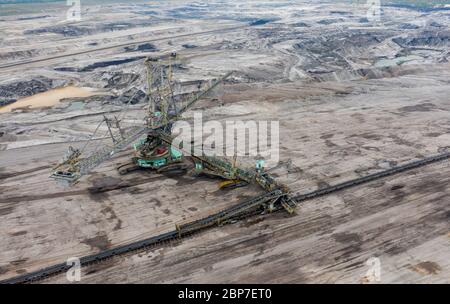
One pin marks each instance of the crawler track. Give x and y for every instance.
(244, 209)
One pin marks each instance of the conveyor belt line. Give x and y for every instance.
(248, 207)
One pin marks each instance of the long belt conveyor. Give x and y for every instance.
(255, 205)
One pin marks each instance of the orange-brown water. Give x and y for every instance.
(49, 98)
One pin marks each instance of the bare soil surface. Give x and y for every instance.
(351, 97)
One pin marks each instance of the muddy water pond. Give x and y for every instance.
(49, 98)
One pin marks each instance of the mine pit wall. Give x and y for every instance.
(380, 110)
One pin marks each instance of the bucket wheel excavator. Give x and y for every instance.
(150, 151)
(152, 141)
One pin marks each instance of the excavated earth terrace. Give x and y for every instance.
(352, 96)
